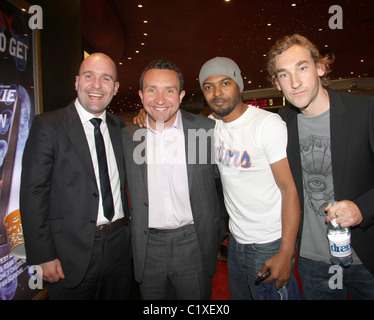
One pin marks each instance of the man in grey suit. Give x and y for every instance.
(176, 219)
(83, 253)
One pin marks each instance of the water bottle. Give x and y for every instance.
(340, 244)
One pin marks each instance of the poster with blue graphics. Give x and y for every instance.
(17, 108)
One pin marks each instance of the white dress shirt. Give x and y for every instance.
(115, 183)
(168, 191)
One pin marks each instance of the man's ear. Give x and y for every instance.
(277, 84)
(321, 69)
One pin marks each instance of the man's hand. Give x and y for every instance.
(280, 266)
(346, 213)
(52, 271)
(141, 119)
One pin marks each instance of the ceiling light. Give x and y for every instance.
(145, 21)
(140, 6)
(146, 34)
(293, 5)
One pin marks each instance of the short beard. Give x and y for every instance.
(225, 112)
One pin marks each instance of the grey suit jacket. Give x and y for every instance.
(208, 215)
(59, 196)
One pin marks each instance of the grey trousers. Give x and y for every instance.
(174, 268)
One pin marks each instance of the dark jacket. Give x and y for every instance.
(352, 153)
(59, 196)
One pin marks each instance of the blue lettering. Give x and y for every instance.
(246, 160)
(229, 157)
(236, 158)
(336, 248)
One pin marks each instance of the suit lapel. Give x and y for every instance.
(339, 134)
(293, 151)
(139, 152)
(188, 124)
(116, 138)
(75, 132)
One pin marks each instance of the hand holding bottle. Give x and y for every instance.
(346, 213)
(339, 241)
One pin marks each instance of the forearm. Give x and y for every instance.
(290, 222)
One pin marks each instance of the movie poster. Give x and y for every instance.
(17, 108)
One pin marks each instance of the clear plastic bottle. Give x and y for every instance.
(340, 244)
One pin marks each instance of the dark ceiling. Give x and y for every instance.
(189, 32)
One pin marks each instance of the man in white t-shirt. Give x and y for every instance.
(259, 191)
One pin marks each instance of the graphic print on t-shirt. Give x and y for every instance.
(317, 173)
(232, 158)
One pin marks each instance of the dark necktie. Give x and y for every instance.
(106, 192)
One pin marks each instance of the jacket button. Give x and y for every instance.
(146, 204)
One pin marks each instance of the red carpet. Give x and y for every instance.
(221, 283)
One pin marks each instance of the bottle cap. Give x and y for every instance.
(334, 223)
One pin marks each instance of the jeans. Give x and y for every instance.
(245, 261)
(323, 281)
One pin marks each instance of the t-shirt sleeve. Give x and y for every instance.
(274, 138)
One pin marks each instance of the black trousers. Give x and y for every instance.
(109, 275)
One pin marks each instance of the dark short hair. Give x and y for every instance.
(163, 65)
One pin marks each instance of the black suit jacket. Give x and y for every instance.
(59, 196)
(352, 152)
(208, 215)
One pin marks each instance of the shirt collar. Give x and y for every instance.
(84, 115)
(178, 124)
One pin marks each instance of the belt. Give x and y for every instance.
(112, 226)
(188, 227)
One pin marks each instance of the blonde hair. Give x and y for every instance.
(287, 42)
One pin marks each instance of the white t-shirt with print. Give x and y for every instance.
(245, 148)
